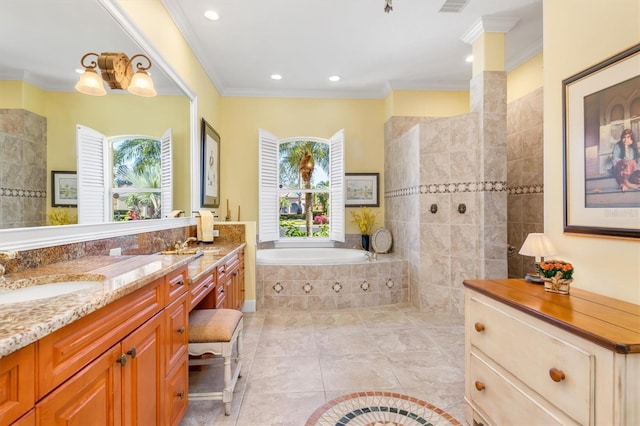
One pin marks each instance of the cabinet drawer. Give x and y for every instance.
(176, 284)
(530, 354)
(200, 289)
(176, 392)
(65, 351)
(228, 267)
(17, 377)
(503, 401)
(176, 320)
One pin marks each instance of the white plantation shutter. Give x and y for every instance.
(268, 186)
(336, 172)
(91, 148)
(166, 173)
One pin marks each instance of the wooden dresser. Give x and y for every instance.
(540, 358)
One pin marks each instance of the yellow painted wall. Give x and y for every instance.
(362, 119)
(577, 35)
(525, 78)
(426, 103)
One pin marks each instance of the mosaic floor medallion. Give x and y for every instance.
(379, 409)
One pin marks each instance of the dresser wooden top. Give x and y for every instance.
(608, 322)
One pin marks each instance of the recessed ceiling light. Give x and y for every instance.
(469, 58)
(211, 15)
(276, 76)
(334, 78)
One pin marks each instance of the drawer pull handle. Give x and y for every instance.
(556, 375)
(133, 352)
(181, 282)
(479, 327)
(180, 330)
(479, 386)
(122, 359)
(180, 395)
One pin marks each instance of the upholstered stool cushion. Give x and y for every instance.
(212, 325)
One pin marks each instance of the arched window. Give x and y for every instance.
(301, 188)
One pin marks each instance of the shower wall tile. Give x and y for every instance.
(435, 167)
(435, 136)
(442, 204)
(464, 132)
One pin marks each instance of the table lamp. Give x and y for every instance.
(537, 245)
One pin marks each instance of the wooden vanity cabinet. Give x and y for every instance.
(231, 280)
(17, 374)
(201, 291)
(123, 364)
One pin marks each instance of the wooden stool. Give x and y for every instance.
(214, 331)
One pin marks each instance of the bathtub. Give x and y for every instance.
(328, 278)
(310, 256)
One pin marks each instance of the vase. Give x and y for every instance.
(560, 286)
(365, 242)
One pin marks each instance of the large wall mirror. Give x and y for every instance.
(44, 42)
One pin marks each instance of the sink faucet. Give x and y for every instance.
(180, 246)
(370, 256)
(5, 255)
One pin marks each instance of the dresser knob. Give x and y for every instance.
(479, 386)
(479, 327)
(180, 330)
(180, 395)
(556, 375)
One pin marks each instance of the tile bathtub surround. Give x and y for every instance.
(380, 282)
(296, 361)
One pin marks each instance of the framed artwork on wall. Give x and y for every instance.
(601, 126)
(210, 169)
(64, 189)
(361, 189)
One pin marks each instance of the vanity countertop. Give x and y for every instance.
(116, 276)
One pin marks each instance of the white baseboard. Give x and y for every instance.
(249, 306)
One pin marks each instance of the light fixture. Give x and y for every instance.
(388, 6)
(334, 78)
(537, 245)
(276, 77)
(117, 72)
(211, 15)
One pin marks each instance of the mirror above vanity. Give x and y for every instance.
(37, 77)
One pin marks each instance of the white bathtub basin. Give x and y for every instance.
(43, 291)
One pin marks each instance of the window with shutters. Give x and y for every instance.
(123, 178)
(301, 188)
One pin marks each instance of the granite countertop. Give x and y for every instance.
(115, 276)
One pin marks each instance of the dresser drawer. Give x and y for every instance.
(558, 370)
(201, 289)
(503, 400)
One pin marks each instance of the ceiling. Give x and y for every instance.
(413, 47)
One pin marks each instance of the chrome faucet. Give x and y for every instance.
(5, 255)
(370, 256)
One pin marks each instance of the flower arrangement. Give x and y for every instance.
(61, 216)
(365, 219)
(557, 269)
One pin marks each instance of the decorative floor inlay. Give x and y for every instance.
(379, 409)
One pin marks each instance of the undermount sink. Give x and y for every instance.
(43, 291)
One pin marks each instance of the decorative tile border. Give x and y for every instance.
(448, 188)
(27, 193)
(380, 408)
(526, 189)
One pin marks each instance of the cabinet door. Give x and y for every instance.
(91, 397)
(143, 373)
(17, 379)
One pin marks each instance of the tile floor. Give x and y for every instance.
(295, 361)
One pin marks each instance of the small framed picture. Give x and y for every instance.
(210, 170)
(362, 189)
(64, 189)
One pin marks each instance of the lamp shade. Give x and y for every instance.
(142, 85)
(537, 245)
(90, 83)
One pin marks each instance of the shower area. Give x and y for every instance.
(462, 193)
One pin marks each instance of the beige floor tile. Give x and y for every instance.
(279, 409)
(357, 371)
(285, 374)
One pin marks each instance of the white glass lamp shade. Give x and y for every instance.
(537, 245)
(142, 85)
(90, 83)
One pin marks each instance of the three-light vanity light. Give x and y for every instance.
(117, 71)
